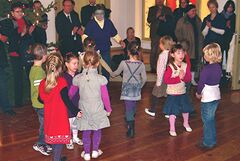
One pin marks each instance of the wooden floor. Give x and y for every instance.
(151, 143)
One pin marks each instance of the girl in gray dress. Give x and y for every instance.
(93, 98)
(134, 77)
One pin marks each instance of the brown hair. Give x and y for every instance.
(167, 42)
(91, 58)
(39, 50)
(89, 44)
(72, 1)
(174, 49)
(214, 2)
(54, 66)
(185, 44)
(213, 52)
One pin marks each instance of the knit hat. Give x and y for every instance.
(189, 7)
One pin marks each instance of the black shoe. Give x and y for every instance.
(64, 158)
(153, 71)
(204, 147)
(10, 113)
(131, 129)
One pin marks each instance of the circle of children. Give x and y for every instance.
(76, 101)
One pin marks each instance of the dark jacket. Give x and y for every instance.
(68, 42)
(154, 21)
(87, 14)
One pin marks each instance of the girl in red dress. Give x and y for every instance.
(53, 93)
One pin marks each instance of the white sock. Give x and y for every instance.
(193, 76)
(75, 133)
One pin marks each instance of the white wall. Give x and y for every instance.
(125, 13)
(51, 31)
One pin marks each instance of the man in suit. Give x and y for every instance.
(69, 29)
(87, 12)
(156, 15)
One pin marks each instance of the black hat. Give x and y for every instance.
(189, 7)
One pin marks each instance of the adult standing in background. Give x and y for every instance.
(230, 17)
(181, 11)
(156, 14)
(213, 26)
(87, 12)
(101, 30)
(4, 100)
(188, 28)
(69, 29)
(39, 34)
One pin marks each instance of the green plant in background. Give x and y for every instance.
(32, 16)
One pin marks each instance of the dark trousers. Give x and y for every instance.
(40, 113)
(107, 58)
(154, 103)
(4, 101)
(57, 151)
(17, 69)
(130, 110)
(154, 52)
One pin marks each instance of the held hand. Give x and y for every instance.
(108, 113)
(123, 45)
(79, 115)
(31, 29)
(158, 13)
(75, 29)
(209, 24)
(24, 31)
(45, 26)
(199, 96)
(181, 74)
(162, 18)
(80, 31)
(3, 38)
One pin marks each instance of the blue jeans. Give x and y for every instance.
(40, 113)
(130, 111)
(209, 128)
(4, 101)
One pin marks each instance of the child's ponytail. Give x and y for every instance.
(54, 65)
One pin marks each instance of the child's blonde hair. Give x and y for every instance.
(54, 66)
(167, 42)
(213, 52)
(39, 50)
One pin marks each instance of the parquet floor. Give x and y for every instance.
(151, 143)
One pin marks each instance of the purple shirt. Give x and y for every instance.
(210, 75)
(75, 98)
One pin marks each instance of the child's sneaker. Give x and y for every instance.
(41, 148)
(70, 146)
(96, 154)
(77, 141)
(166, 116)
(49, 148)
(147, 111)
(87, 157)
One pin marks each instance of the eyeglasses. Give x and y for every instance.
(99, 13)
(18, 11)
